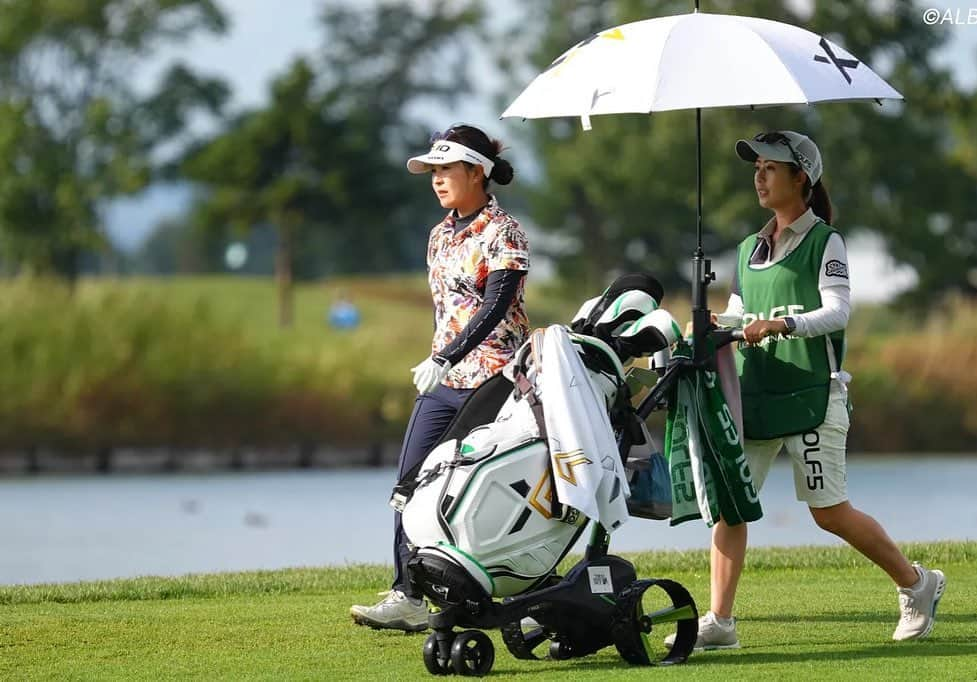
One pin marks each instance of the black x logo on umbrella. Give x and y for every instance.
(841, 64)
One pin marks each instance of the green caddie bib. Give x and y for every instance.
(785, 381)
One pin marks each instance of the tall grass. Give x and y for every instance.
(197, 362)
(915, 387)
(201, 362)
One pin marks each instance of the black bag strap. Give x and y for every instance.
(525, 391)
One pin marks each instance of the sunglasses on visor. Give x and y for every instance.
(440, 135)
(780, 138)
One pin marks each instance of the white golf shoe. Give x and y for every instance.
(714, 633)
(918, 606)
(396, 611)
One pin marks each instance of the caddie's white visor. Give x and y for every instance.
(444, 152)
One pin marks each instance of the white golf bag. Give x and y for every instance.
(486, 502)
(504, 502)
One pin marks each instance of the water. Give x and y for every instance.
(61, 529)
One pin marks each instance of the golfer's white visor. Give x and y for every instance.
(444, 152)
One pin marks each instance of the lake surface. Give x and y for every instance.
(69, 528)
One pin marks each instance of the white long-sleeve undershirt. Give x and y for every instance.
(835, 290)
(831, 316)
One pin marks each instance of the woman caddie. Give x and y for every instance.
(477, 259)
(791, 290)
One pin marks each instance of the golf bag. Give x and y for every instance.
(487, 501)
(492, 511)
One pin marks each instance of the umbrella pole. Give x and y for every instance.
(702, 272)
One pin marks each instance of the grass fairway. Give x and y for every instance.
(810, 613)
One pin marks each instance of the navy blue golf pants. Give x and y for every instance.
(432, 414)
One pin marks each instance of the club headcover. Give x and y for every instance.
(593, 310)
(648, 334)
(624, 310)
(580, 319)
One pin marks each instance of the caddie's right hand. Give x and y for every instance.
(758, 330)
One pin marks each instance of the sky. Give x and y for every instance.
(265, 35)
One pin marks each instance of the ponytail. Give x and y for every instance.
(820, 203)
(502, 172)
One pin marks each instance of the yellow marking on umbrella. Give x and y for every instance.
(611, 34)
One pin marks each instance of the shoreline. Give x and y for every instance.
(43, 461)
(163, 460)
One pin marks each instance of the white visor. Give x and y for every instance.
(444, 152)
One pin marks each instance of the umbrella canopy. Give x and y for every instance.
(693, 61)
(697, 61)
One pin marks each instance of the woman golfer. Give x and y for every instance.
(477, 259)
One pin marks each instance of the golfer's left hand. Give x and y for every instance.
(758, 330)
(430, 373)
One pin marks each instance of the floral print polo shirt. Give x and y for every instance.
(458, 267)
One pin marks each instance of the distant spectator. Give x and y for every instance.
(344, 314)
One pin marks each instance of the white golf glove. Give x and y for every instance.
(430, 373)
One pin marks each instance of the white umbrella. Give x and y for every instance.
(697, 61)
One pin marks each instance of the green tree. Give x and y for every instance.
(322, 163)
(175, 246)
(381, 68)
(268, 166)
(74, 130)
(624, 193)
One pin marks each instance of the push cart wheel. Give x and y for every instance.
(433, 661)
(521, 642)
(560, 651)
(644, 617)
(472, 653)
